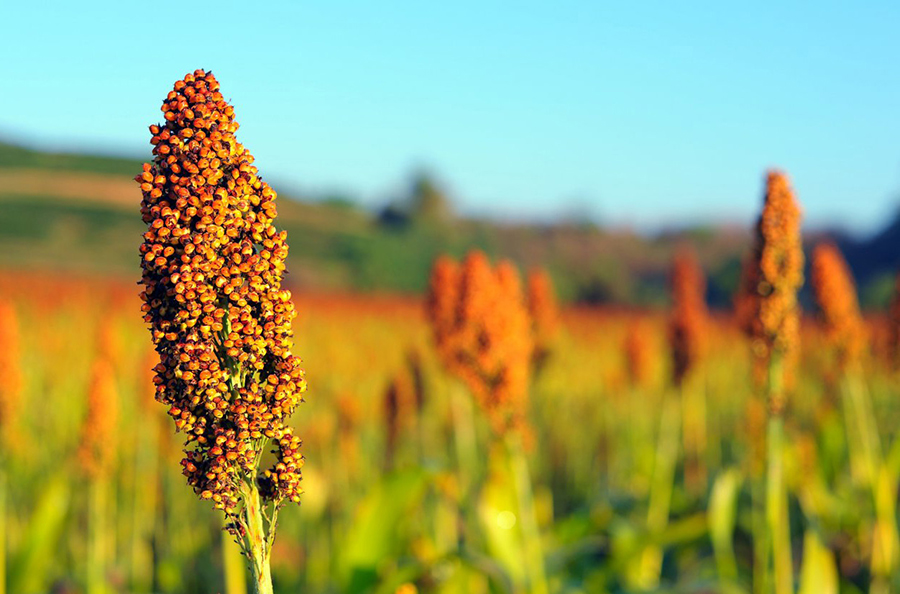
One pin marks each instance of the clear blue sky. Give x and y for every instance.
(643, 113)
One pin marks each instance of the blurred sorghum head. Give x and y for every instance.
(98, 447)
(10, 371)
(483, 333)
(767, 304)
(544, 312)
(835, 294)
(688, 323)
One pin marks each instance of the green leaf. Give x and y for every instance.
(722, 516)
(28, 570)
(500, 518)
(818, 574)
(375, 534)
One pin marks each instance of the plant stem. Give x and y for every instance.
(2, 528)
(464, 437)
(760, 538)
(465, 442)
(256, 541)
(534, 554)
(97, 510)
(885, 538)
(777, 519)
(776, 509)
(661, 490)
(693, 434)
(144, 508)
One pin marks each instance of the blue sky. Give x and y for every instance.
(644, 114)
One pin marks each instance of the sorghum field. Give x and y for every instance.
(633, 482)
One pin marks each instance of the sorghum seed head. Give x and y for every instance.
(688, 321)
(213, 264)
(772, 275)
(835, 294)
(639, 353)
(483, 333)
(544, 313)
(98, 447)
(11, 381)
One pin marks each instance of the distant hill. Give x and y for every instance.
(18, 157)
(75, 212)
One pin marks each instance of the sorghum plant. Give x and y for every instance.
(402, 406)
(687, 337)
(639, 354)
(213, 265)
(845, 329)
(687, 324)
(771, 317)
(771, 278)
(544, 312)
(484, 336)
(835, 294)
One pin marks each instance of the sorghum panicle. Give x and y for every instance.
(835, 294)
(109, 343)
(483, 333)
(98, 447)
(440, 305)
(639, 353)
(417, 376)
(11, 381)
(213, 265)
(544, 312)
(687, 324)
(772, 275)
(399, 407)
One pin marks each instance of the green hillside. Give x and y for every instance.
(71, 212)
(13, 156)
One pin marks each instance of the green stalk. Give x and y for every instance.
(2, 528)
(256, 541)
(885, 538)
(97, 545)
(714, 428)
(465, 442)
(776, 508)
(760, 539)
(777, 517)
(661, 490)
(867, 445)
(694, 436)
(464, 437)
(721, 517)
(144, 508)
(534, 554)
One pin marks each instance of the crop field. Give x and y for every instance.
(632, 484)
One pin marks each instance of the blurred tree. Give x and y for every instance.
(393, 216)
(428, 203)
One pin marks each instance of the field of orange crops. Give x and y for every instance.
(407, 486)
